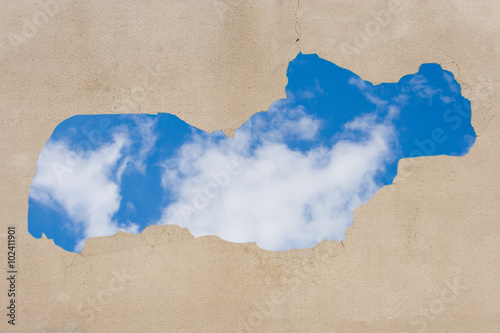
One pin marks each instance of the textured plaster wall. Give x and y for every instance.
(423, 254)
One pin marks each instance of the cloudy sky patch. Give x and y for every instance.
(290, 178)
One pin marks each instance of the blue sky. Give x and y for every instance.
(290, 178)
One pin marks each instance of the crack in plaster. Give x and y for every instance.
(297, 26)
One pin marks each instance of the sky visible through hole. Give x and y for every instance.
(290, 178)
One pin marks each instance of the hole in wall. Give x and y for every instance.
(290, 178)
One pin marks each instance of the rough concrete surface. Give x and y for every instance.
(423, 254)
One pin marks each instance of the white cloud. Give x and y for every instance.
(421, 86)
(145, 130)
(311, 93)
(424, 89)
(365, 90)
(249, 188)
(469, 142)
(295, 123)
(130, 207)
(83, 185)
(276, 196)
(452, 84)
(447, 99)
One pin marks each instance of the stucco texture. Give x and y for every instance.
(422, 256)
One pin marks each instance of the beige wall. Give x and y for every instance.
(423, 254)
